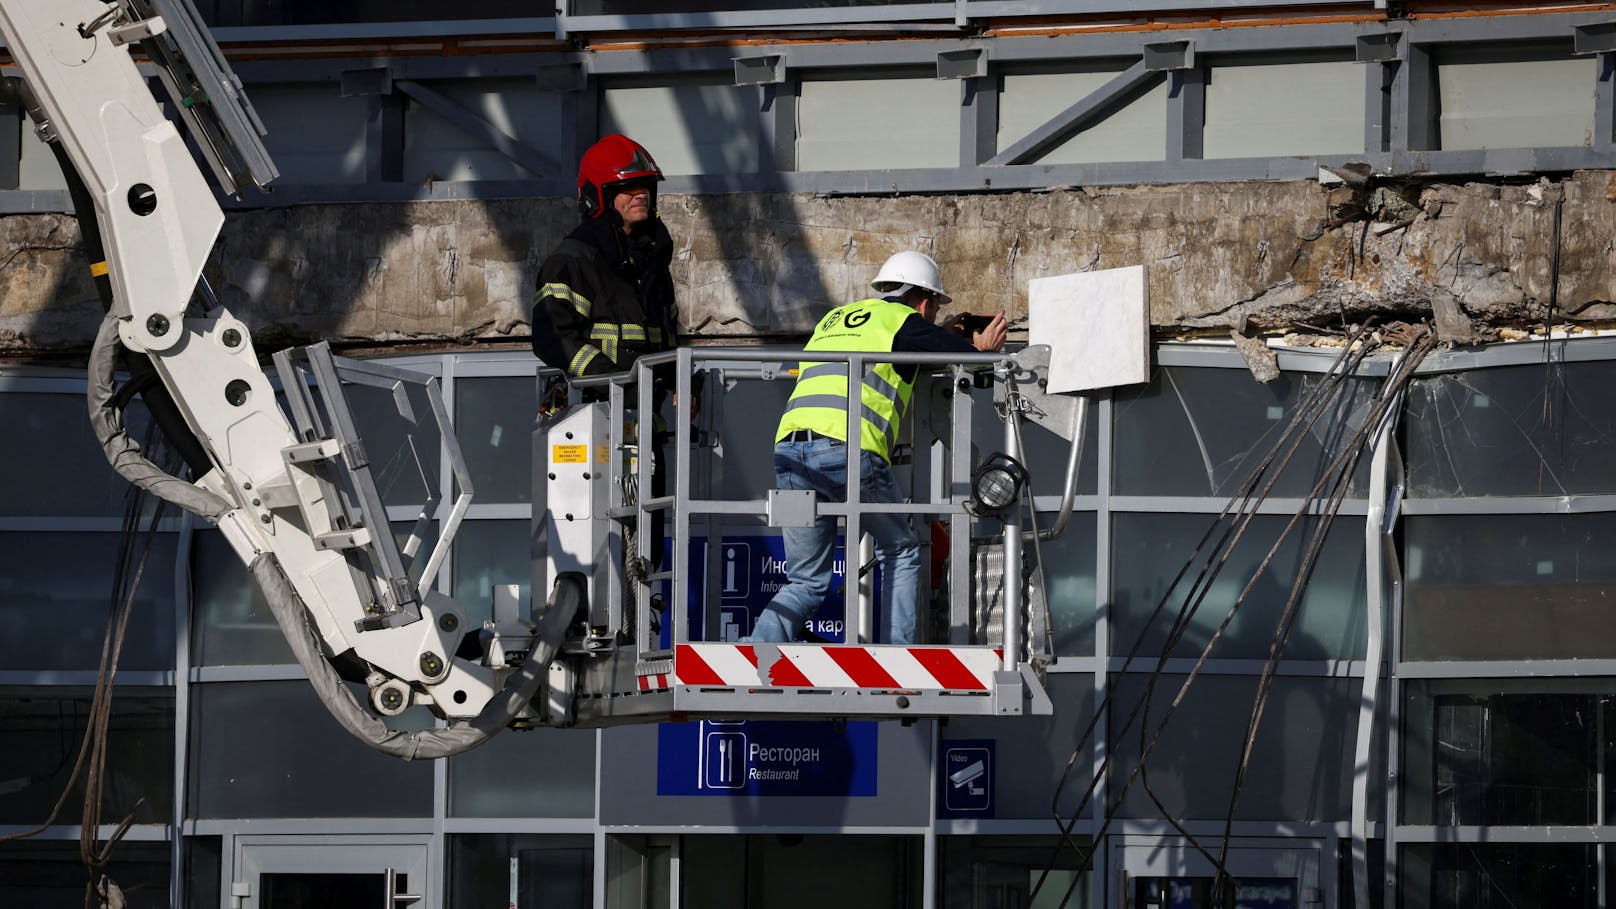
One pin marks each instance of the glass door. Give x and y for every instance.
(331, 872)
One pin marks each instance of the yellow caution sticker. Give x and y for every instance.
(569, 454)
(603, 454)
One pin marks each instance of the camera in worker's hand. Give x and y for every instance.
(970, 323)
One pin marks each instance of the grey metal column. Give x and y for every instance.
(1380, 575)
(1186, 112)
(182, 705)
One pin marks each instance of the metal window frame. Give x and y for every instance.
(1102, 504)
(1398, 134)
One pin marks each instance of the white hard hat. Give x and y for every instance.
(910, 269)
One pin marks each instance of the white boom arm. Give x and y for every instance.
(159, 220)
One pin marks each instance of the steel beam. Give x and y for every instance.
(1090, 110)
(471, 124)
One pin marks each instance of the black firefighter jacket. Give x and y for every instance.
(605, 298)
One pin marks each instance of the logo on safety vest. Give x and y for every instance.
(857, 317)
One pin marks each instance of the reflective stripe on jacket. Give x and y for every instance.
(819, 402)
(604, 299)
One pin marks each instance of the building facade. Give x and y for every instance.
(1424, 658)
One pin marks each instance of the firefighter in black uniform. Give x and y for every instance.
(605, 294)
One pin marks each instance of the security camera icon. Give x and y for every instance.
(969, 785)
(969, 778)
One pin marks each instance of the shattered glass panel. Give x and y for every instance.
(1201, 432)
(1508, 587)
(1300, 767)
(1499, 875)
(1151, 548)
(1513, 431)
(1515, 752)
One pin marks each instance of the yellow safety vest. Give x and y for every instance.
(819, 402)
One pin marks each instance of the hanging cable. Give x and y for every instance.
(1244, 504)
(90, 764)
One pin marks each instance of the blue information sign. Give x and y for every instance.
(767, 757)
(751, 569)
(965, 778)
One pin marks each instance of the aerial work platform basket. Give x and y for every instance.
(979, 642)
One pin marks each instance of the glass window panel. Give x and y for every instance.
(50, 875)
(52, 445)
(693, 127)
(1033, 750)
(436, 149)
(1135, 132)
(1151, 548)
(555, 871)
(43, 728)
(494, 424)
(1320, 112)
(1069, 572)
(639, 870)
(231, 622)
(1498, 875)
(1513, 431)
(270, 749)
(404, 455)
(204, 855)
(489, 553)
(751, 412)
(1200, 432)
(56, 592)
(1493, 587)
(1517, 103)
(768, 870)
(1301, 764)
(316, 136)
(1516, 752)
(232, 625)
(1046, 452)
(989, 872)
(503, 779)
(837, 118)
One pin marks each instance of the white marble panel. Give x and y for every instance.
(1097, 324)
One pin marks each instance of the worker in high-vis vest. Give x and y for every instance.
(810, 449)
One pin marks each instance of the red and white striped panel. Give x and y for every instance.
(655, 681)
(838, 666)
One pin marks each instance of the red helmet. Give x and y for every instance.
(614, 159)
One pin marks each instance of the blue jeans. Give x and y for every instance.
(821, 465)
